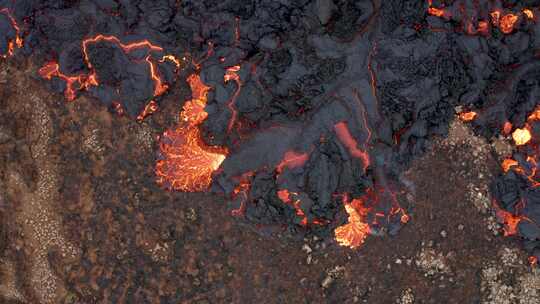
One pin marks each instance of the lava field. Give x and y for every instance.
(303, 115)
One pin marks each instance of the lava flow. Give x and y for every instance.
(365, 215)
(524, 165)
(291, 199)
(505, 22)
(17, 41)
(232, 75)
(354, 233)
(467, 116)
(52, 69)
(186, 163)
(510, 220)
(159, 86)
(84, 81)
(292, 160)
(345, 136)
(439, 12)
(523, 135)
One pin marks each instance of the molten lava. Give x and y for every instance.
(84, 81)
(118, 108)
(366, 215)
(150, 108)
(240, 193)
(528, 170)
(231, 74)
(354, 233)
(508, 163)
(468, 116)
(528, 13)
(187, 162)
(511, 221)
(535, 115)
(159, 86)
(12, 44)
(521, 136)
(495, 17)
(507, 23)
(436, 11)
(172, 59)
(345, 136)
(112, 39)
(292, 160)
(533, 261)
(287, 198)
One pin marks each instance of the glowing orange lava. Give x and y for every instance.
(468, 116)
(345, 136)
(84, 81)
(118, 108)
(511, 221)
(495, 17)
(172, 59)
(528, 13)
(159, 87)
(354, 233)
(436, 11)
(521, 136)
(232, 74)
(483, 28)
(285, 196)
(508, 163)
(18, 40)
(292, 160)
(507, 23)
(150, 108)
(535, 115)
(241, 192)
(188, 163)
(126, 47)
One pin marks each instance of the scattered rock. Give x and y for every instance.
(332, 275)
(431, 262)
(407, 297)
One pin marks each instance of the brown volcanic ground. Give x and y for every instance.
(82, 221)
